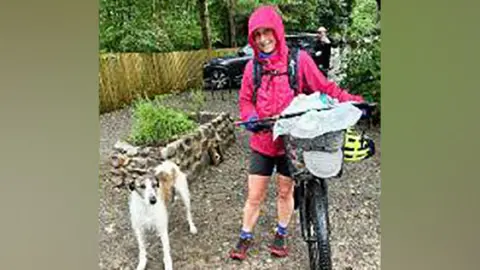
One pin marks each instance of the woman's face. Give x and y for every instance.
(265, 40)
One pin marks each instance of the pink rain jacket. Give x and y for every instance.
(274, 93)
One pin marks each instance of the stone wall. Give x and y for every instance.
(192, 152)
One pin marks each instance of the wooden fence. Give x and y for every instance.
(125, 76)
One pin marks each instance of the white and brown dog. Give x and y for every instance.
(149, 198)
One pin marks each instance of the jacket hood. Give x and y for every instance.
(267, 17)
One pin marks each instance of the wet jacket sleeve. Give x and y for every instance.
(247, 108)
(316, 81)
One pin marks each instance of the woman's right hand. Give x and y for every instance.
(257, 126)
(252, 126)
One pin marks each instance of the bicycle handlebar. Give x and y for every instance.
(362, 106)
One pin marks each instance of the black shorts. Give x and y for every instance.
(263, 165)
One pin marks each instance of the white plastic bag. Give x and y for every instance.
(322, 130)
(315, 123)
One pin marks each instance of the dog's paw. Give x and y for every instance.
(142, 260)
(193, 229)
(167, 261)
(141, 266)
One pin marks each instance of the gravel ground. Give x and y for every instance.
(217, 202)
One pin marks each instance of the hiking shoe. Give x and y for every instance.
(279, 246)
(239, 252)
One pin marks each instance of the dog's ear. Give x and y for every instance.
(161, 176)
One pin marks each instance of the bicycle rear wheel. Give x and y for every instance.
(317, 225)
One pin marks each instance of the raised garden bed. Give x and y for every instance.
(192, 152)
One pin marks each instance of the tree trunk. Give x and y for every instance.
(205, 24)
(231, 21)
(378, 12)
(155, 9)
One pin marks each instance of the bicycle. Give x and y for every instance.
(311, 192)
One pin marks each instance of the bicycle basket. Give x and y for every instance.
(321, 156)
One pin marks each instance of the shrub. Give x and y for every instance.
(363, 61)
(363, 19)
(197, 101)
(155, 124)
(363, 71)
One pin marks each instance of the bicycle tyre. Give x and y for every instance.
(317, 218)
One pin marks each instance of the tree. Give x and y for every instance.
(204, 23)
(231, 22)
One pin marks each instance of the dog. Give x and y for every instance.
(149, 197)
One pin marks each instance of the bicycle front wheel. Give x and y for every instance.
(318, 227)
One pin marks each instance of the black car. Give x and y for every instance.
(227, 72)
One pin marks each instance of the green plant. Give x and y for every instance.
(363, 72)
(154, 123)
(363, 69)
(197, 101)
(363, 19)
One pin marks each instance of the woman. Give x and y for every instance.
(267, 38)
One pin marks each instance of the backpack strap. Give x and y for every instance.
(292, 71)
(257, 79)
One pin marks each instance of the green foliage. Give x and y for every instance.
(124, 27)
(219, 22)
(163, 26)
(198, 99)
(154, 123)
(181, 22)
(299, 16)
(363, 72)
(334, 15)
(149, 26)
(363, 19)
